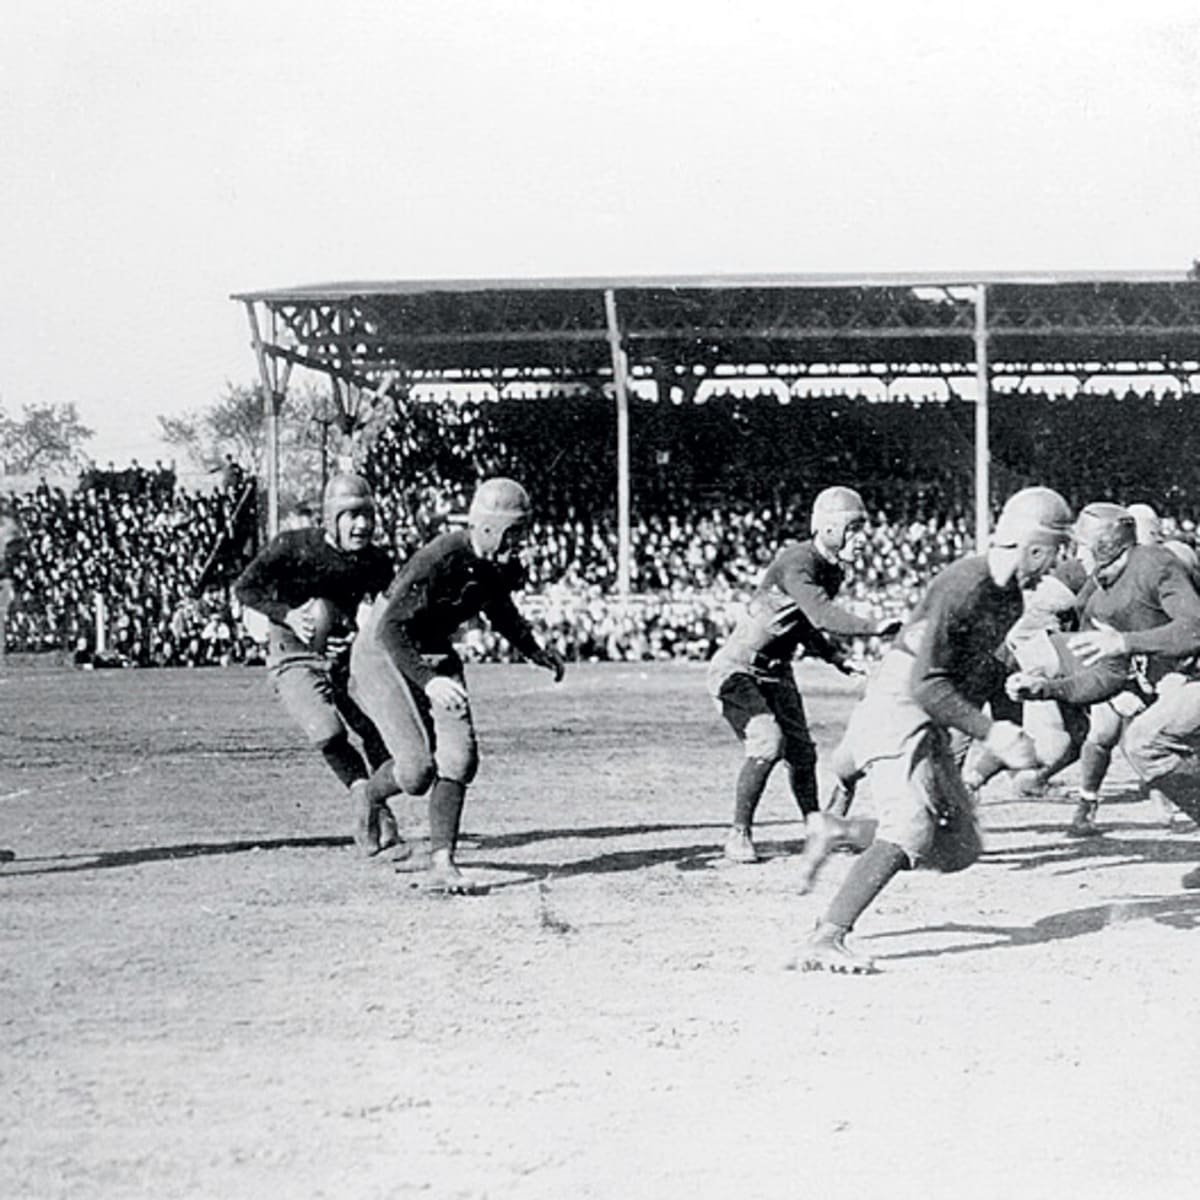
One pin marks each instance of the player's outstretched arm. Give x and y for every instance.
(507, 621)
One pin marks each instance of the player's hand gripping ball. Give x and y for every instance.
(313, 621)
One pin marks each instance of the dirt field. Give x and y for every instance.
(205, 994)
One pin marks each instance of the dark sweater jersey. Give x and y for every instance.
(444, 584)
(792, 607)
(956, 635)
(1152, 600)
(302, 564)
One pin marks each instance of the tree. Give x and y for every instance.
(235, 425)
(231, 426)
(46, 437)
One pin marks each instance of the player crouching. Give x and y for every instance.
(406, 674)
(930, 690)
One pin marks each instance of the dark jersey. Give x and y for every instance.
(1152, 600)
(956, 636)
(302, 564)
(792, 607)
(443, 585)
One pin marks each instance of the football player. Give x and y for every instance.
(933, 684)
(1037, 649)
(408, 677)
(1140, 601)
(751, 677)
(307, 585)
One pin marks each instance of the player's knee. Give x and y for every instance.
(763, 738)
(1053, 748)
(459, 764)
(414, 775)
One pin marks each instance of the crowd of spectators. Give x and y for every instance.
(108, 573)
(716, 488)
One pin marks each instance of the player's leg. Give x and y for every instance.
(456, 758)
(846, 778)
(372, 804)
(748, 712)
(1162, 744)
(799, 751)
(399, 715)
(1104, 731)
(910, 786)
(306, 691)
(1058, 732)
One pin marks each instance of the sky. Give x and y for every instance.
(158, 155)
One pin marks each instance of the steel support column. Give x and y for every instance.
(620, 370)
(274, 387)
(983, 514)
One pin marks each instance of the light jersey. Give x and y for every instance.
(791, 608)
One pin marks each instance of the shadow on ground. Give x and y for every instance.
(1176, 912)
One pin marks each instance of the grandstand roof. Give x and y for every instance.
(557, 327)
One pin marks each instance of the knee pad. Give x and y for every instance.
(763, 738)
(458, 766)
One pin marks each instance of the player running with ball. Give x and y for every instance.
(930, 691)
(307, 584)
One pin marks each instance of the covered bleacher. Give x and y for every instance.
(967, 331)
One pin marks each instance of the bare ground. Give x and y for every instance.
(204, 993)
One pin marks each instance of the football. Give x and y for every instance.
(324, 615)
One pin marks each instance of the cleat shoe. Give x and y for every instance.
(1083, 823)
(739, 848)
(827, 951)
(441, 880)
(1192, 879)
